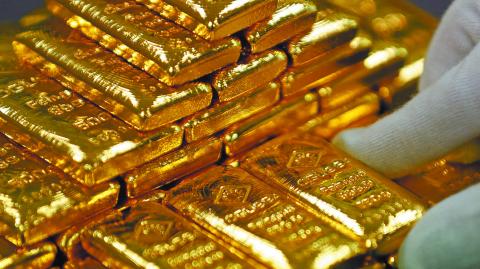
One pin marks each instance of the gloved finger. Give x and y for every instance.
(457, 34)
(435, 122)
(448, 235)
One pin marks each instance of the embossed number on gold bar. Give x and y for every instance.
(73, 134)
(326, 181)
(156, 45)
(259, 220)
(105, 79)
(45, 201)
(148, 235)
(213, 19)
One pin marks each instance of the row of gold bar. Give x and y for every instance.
(171, 91)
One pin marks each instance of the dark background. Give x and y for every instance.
(13, 9)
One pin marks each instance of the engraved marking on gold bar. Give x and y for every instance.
(148, 235)
(243, 78)
(328, 67)
(39, 201)
(73, 134)
(224, 115)
(105, 79)
(39, 256)
(259, 220)
(330, 30)
(282, 118)
(156, 45)
(173, 166)
(327, 182)
(290, 18)
(213, 19)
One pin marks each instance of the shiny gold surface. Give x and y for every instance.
(213, 19)
(222, 116)
(330, 66)
(148, 235)
(37, 201)
(330, 30)
(156, 45)
(39, 256)
(291, 17)
(256, 71)
(282, 118)
(73, 134)
(88, 263)
(363, 203)
(173, 166)
(339, 94)
(260, 221)
(82, 65)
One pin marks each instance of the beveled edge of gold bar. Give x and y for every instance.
(215, 27)
(327, 33)
(283, 117)
(108, 91)
(38, 256)
(240, 79)
(339, 94)
(173, 166)
(291, 18)
(146, 50)
(221, 116)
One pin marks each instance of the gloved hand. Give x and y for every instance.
(446, 112)
(443, 116)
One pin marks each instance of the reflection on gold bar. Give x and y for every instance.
(282, 118)
(291, 17)
(330, 30)
(87, 263)
(72, 133)
(339, 94)
(326, 181)
(39, 256)
(173, 166)
(398, 90)
(442, 180)
(260, 221)
(100, 76)
(331, 66)
(156, 45)
(148, 235)
(331, 122)
(222, 116)
(46, 201)
(213, 19)
(362, 8)
(242, 78)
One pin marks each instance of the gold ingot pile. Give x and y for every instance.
(180, 134)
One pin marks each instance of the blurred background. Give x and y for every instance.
(13, 9)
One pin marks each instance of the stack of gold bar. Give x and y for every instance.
(193, 134)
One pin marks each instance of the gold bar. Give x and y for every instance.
(224, 115)
(332, 122)
(45, 200)
(73, 134)
(88, 263)
(259, 220)
(243, 78)
(105, 79)
(363, 203)
(39, 256)
(281, 119)
(173, 166)
(291, 17)
(213, 19)
(148, 235)
(362, 8)
(330, 30)
(330, 66)
(342, 93)
(158, 46)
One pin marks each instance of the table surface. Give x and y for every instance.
(13, 9)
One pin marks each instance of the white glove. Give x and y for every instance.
(446, 112)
